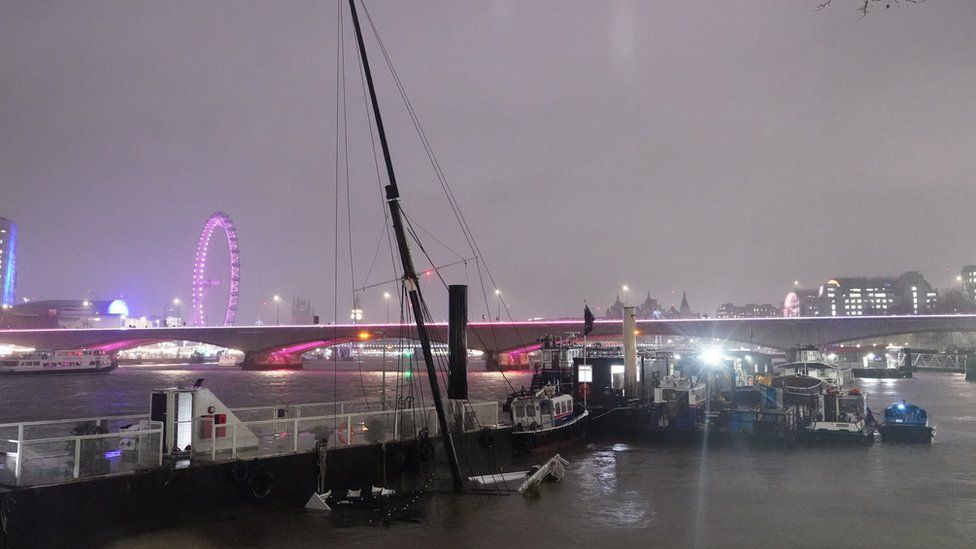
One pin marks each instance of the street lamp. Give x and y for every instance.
(626, 290)
(277, 300)
(498, 308)
(179, 311)
(87, 305)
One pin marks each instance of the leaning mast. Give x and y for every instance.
(409, 279)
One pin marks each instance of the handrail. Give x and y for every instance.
(149, 431)
(331, 416)
(72, 420)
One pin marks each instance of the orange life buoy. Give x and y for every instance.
(584, 390)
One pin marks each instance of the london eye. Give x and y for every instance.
(205, 273)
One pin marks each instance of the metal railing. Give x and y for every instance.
(311, 409)
(35, 453)
(38, 453)
(290, 435)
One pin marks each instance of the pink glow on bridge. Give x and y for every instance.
(124, 344)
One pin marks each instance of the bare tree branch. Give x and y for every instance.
(864, 6)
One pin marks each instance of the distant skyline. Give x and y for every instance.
(724, 150)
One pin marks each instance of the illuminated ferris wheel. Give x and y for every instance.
(204, 274)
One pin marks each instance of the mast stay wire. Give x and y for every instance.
(442, 179)
(472, 244)
(341, 92)
(335, 247)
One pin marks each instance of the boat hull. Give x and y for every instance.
(882, 373)
(906, 433)
(834, 433)
(60, 371)
(528, 441)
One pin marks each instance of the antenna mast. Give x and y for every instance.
(409, 273)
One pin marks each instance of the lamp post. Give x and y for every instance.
(87, 305)
(277, 301)
(179, 311)
(498, 308)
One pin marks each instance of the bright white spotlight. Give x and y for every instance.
(712, 356)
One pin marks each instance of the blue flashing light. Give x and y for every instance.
(112, 454)
(901, 406)
(118, 307)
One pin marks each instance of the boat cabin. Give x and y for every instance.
(680, 391)
(907, 414)
(541, 412)
(833, 374)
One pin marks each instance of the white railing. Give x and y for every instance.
(312, 409)
(289, 435)
(96, 447)
(35, 453)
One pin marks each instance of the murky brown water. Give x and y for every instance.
(626, 494)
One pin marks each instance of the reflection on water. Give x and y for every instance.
(623, 493)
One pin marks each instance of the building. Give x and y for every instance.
(908, 294)
(8, 262)
(685, 310)
(969, 281)
(301, 311)
(616, 311)
(69, 313)
(749, 310)
(802, 303)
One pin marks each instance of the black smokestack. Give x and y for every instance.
(457, 345)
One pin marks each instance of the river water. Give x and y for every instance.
(624, 493)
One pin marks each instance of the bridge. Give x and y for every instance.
(282, 346)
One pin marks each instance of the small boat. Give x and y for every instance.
(679, 406)
(544, 418)
(906, 423)
(843, 417)
(60, 362)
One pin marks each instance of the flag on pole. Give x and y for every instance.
(587, 320)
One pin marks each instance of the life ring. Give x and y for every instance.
(238, 472)
(341, 432)
(584, 390)
(260, 483)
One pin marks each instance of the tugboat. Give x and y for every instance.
(843, 417)
(906, 423)
(544, 418)
(679, 406)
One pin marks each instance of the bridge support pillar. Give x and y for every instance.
(492, 361)
(264, 360)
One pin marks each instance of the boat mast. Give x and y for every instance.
(409, 274)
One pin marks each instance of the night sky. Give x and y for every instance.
(722, 148)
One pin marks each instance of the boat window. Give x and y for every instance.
(545, 407)
(518, 410)
(585, 374)
(530, 409)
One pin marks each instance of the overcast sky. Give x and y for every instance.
(723, 148)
